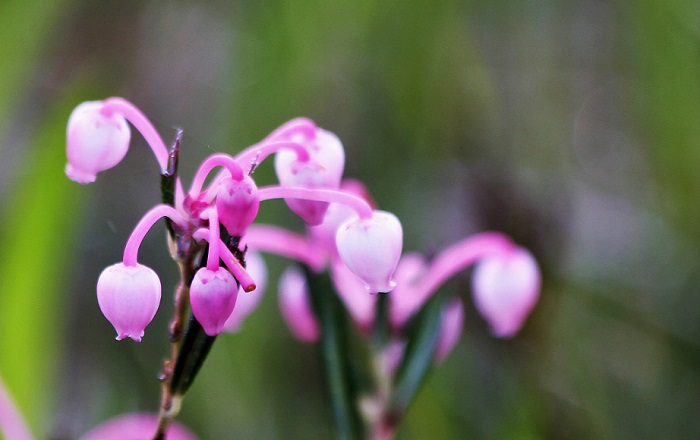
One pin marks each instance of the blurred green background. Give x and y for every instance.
(574, 127)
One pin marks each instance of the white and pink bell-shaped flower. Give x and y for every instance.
(237, 204)
(95, 141)
(505, 288)
(296, 305)
(323, 169)
(247, 302)
(129, 297)
(212, 297)
(371, 248)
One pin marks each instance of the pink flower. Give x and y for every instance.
(213, 296)
(129, 297)
(371, 248)
(323, 169)
(353, 292)
(136, 426)
(95, 141)
(506, 287)
(237, 203)
(296, 307)
(450, 329)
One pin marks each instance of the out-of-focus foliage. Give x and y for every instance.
(571, 126)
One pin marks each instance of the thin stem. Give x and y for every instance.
(279, 241)
(132, 114)
(446, 264)
(144, 225)
(211, 162)
(214, 237)
(261, 151)
(359, 205)
(296, 125)
(12, 425)
(236, 268)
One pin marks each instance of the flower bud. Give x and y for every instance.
(237, 204)
(324, 169)
(129, 297)
(212, 296)
(95, 141)
(296, 307)
(371, 249)
(505, 288)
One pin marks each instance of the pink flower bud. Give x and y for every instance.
(505, 288)
(247, 302)
(237, 204)
(129, 297)
(371, 249)
(324, 169)
(212, 296)
(296, 307)
(136, 426)
(450, 329)
(96, 142)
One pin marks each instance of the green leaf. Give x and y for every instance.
(335, 356)
(419, 357)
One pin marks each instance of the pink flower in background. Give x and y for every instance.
(505, 288)
(295, 305)
(135, 426)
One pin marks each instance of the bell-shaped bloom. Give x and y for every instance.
(371, 248)
(505, 289)
(136, 426)
(451, 325)
(324, 169)
(296, 306)
(129, 297)
(212, 297)
(237, 204)
(95, 141)
(247, 302)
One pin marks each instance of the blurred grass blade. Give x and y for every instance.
(419, 357)
(335, 356)
(39, 228)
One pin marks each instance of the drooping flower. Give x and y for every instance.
(129, 297)
(213, 296)
(95, 141)
(505, 288)
(371, 248)
(237, 203)
(324, 169)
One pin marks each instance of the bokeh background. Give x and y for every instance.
(572, 126)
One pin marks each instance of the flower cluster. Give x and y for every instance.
(309, 164)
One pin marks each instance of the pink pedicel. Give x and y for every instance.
(213, 296)
(371, 248)
(452, 323)
(247, 302)
(136, 426)
(296, 306)
(237, 203)
(95, 141)
(324, 169)
(129, 297)
(505, 288)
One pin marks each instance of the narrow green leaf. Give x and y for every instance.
(334, 353)
(419, 357)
